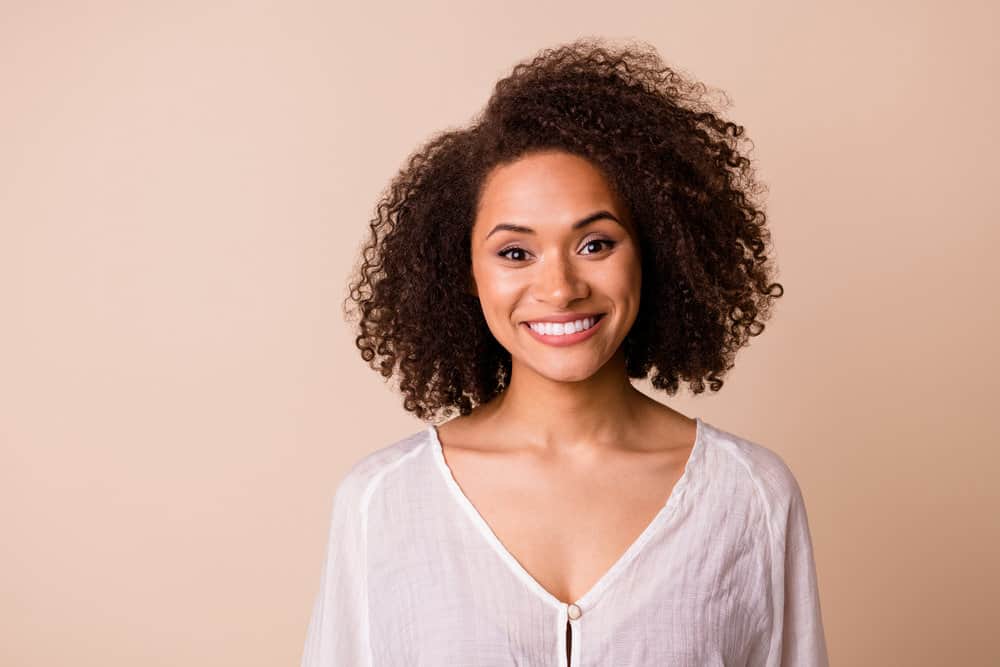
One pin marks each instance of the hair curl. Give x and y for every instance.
(706, 284)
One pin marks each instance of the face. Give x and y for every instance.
(552, 239)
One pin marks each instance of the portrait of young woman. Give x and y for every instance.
(598, 222)
(432, 334)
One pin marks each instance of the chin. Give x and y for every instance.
(574, 373)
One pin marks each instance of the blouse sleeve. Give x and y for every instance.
(338, 628)
(803, 643)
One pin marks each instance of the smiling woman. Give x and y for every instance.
(669, 164)
(596, 224)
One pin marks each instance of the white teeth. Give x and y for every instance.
(560, 328)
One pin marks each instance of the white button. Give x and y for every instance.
(574, 612)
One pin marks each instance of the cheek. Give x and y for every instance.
(498, 289)
(621, 277)
(623, 283)
(632, 269)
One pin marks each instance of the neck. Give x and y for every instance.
(589, 416)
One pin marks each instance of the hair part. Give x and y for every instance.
(669, 154)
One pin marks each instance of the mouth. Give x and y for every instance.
(563, 339)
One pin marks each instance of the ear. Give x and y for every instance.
(471, 286)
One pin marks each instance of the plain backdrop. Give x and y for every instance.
(184, 187)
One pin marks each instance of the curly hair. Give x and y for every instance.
(706, 285)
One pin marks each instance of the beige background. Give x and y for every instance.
(183, 189)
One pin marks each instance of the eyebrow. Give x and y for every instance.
(593, 217)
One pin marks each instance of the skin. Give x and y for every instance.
(570, 450)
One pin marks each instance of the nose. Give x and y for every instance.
(557, 282)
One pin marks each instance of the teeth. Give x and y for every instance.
(560, 328)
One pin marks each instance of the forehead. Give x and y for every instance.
(550, 185)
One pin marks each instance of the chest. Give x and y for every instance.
(567, 528)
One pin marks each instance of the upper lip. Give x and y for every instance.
(565, 317)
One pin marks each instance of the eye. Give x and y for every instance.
(609, 243)
(503, 253)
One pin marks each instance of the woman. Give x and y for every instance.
(595, 224)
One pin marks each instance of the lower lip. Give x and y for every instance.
(566, 339)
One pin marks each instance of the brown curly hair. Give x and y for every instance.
(706, 279)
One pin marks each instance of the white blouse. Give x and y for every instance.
(722, 576)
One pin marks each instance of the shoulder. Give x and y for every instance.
(753, 465)
(365, 473)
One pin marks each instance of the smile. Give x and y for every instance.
(568, 333)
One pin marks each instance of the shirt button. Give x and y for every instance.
(574, 612)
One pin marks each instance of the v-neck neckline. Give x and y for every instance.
(609, 575)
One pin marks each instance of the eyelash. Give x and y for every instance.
(503, 253)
